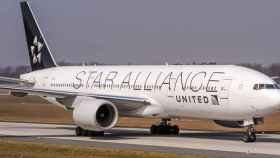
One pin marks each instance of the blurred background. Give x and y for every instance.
(141, 32)
(148, 32)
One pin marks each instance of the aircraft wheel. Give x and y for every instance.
(82, 132)
(175, 130)
(154, 129)
(250, 135)
(85, 132)
(97, 133)
(164, 128)
(78, 131)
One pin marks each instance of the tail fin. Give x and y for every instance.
(39, 52)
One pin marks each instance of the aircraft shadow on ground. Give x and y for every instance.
(232, 136)
(134, 134)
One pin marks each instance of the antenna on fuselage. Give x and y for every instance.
(84, 63)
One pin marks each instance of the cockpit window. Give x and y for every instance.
(270, 86)
(265, 86)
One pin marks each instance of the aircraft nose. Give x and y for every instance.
(275, 99)
(278, 100)
(268, 103)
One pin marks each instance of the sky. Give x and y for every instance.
(147, 31)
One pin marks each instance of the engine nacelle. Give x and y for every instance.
(95, 114)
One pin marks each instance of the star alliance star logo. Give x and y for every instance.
(215, 100)
(36, 51)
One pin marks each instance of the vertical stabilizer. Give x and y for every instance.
(39, 52)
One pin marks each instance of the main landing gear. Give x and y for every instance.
(164, 128)
(250, 135)
(86, 133)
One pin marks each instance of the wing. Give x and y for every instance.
(7, 80)
(20, 87)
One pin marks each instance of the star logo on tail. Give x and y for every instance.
(36, 51)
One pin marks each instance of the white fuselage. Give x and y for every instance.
(209, 91)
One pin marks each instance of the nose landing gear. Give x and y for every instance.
(250, 135)
(164, 128)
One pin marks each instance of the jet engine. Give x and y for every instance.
(95, 114)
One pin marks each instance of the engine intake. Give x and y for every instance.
(105, 115)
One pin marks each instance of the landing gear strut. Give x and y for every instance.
(250, 135)
(164, 128)
(83, 132)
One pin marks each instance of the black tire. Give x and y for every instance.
(85, 133)
(246, 138)
(253, 137)
(91, 133)
(249, 138)
(78, 131)
(175, 130)
(154, 129)
(164, 130)
(99, 133)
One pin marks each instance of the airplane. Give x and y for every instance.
(232, 96)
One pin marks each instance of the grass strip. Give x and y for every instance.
(16, 149)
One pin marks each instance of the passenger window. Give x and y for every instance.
(269, 86)
(261, 86)
(266, 86)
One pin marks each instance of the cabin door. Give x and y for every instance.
(224, 91)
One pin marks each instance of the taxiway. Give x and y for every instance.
(211, 143)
